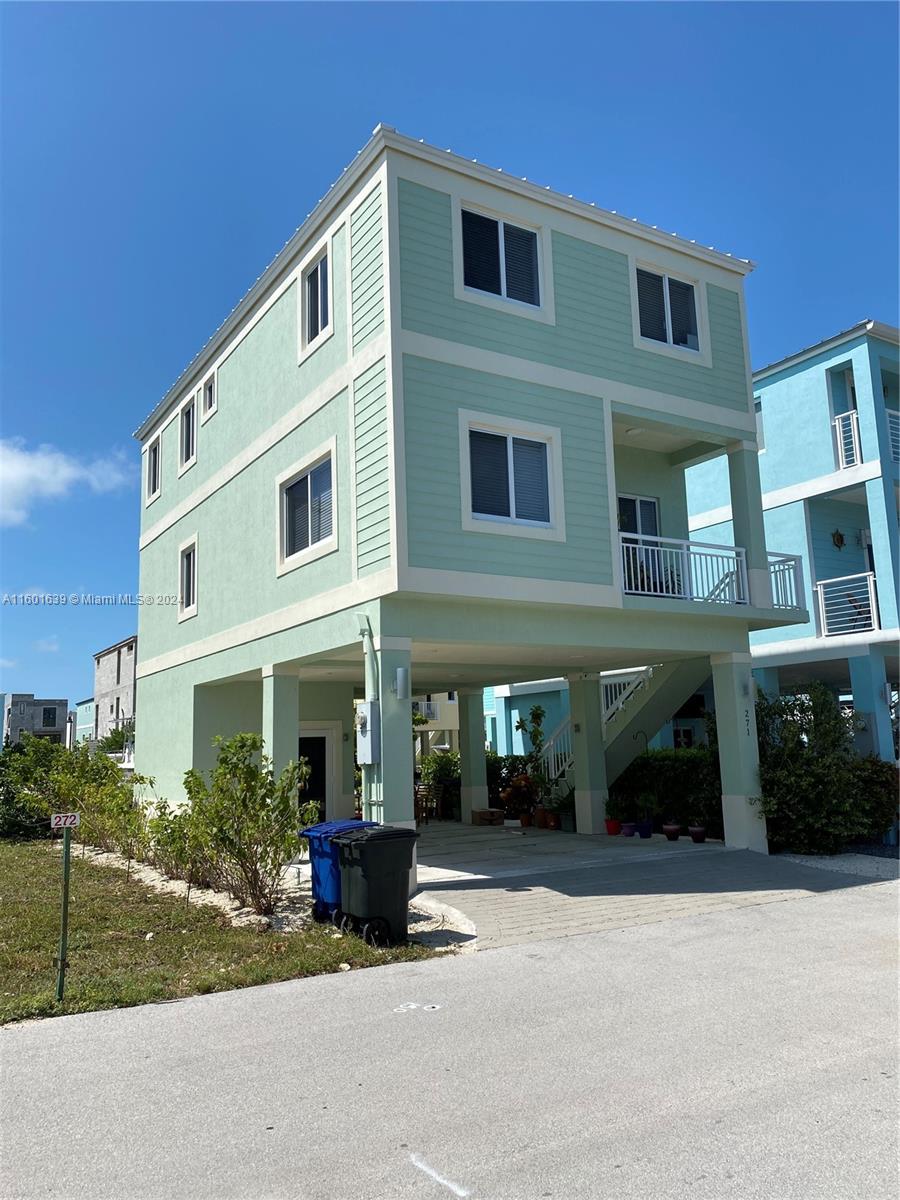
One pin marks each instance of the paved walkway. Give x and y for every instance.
(519, 886)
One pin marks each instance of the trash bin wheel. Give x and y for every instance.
(337, 917)
(346, 923)
(376, 932)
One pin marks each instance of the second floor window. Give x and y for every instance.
(48, 718)
(209, 396)
(316, 300)
(308, 510)
(667, 309)
(153, 477)
(500, 258)
(187, 592)
(510, 477)
(188, 433)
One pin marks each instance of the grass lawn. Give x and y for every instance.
(112, 964)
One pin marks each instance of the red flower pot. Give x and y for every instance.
(525, 818)
(697, 832)
(613, 828)
(540, 816)
(552, 821)
(672, 832)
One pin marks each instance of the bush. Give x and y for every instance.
(684, 785)
(26, 791)
(501, 770)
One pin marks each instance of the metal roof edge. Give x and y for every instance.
(867, 327)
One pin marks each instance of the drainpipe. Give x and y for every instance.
(371, 691)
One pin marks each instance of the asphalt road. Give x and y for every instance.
(735, 1054)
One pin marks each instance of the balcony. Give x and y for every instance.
(846, 432)
(786, 575)
(847, 605)
(654, 566)
(894, 433)
(426, 708)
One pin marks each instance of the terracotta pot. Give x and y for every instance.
(540, 816)
(697, 832)
(672, 832)
(613, 828)
(553, 821)
(629, 828)
(525, 818)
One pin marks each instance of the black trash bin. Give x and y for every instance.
(375, 866)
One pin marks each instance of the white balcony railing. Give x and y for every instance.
(894, 433)
(426, 708)
(786, 574)
(847, 605)
(846, 432)
(654, 566)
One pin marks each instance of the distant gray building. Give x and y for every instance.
(25, 713)
(114, 686)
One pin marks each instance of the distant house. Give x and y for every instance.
(84, 720)
(24, 713)
(114, 687)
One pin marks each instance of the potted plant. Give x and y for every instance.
(646, 806)
(565, 807)
(672, 830)
(616, 812)
(518, 799)
(629, 828)
(697, 832)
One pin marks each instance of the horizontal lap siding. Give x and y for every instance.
(367, 270)
(433, 395)
(373, 510)
(593, 331)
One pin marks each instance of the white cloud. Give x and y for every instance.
(47, 645)
(7, 664)
(29, 476)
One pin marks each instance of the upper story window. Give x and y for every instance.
(316, 300)
(210, 397)
(48, 718)
(153, 469)
(500, 258)
(187, 454)
(667, 310)
(510, 477)
(187, 580)
(307, 522)
(760, 425)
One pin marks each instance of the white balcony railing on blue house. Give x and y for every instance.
(786, 574)
(847, 605)
(894, 433)
(846, 432)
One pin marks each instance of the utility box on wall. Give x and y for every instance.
(368, 732)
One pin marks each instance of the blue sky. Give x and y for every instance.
(156, 156)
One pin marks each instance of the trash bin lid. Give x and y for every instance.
(327, 829)
(376, 833)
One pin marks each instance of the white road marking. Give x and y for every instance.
(455, 1188)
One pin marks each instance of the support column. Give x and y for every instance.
(868, 682)
(882, 517)
(745, 826)
(390, 781)
(747, 518)
(473, 771)
(280, 717)
(591, 792)
(767, 681)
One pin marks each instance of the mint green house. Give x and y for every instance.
(441, 444)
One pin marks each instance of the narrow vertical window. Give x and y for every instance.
(187, 598)
(209, 395)
(153, 477)
(316, 300)
(760, 427)
(188, 433)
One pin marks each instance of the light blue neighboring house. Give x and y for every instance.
(84, 720)
(828, 430)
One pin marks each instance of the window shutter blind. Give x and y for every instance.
(296, 499)
(530, 476)
(683, 312)
(651, 306)
(320, 507)
(520, 248)
(490, 474)
(481, 252)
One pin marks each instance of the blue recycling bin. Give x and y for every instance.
(325, 863)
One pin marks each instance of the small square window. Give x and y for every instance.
(308, 510)
(500, 258)
(667, 310)
(187, 580)
(153, 472)
(316, 301)
(188, 434)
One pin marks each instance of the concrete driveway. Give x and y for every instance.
(518, 886)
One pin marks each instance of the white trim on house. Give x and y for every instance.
(324, 248)
(332, 732)
(703, 355)
(396, 429)
(428, 580)
(612, 498)
(551, 436)
(185, 464)
(544, 311)
(304, 467)
(212, 378)
(820, 649)
(185, 612)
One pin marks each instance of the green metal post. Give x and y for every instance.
(64, 926)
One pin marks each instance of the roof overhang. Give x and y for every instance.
(866, 328)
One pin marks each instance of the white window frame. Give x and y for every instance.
(186, 464)
(149, 496)
(323, 249)
(702, 356)
(555, 529)
(307, 464)
(191, 543)
(206, 413)
(545, 311)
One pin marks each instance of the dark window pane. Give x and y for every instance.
(651, 306)
(684, 315)
(481, 252)
(649, 526)
(187, 579)
(320, 504)
(530, 480)
(312, 304)
(520, 246)
(627, 515)
(296, 507)
(323, 293)
(187, 434)
(490, 474)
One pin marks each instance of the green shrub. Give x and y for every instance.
(684, 785)
(501, 770)
(26, 792)
(440, 768)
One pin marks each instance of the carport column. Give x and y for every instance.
(747, 519)
(392, 784)
(280, 717)
(473, 771)
(745, 826)
(868, 682)
(591, 792)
